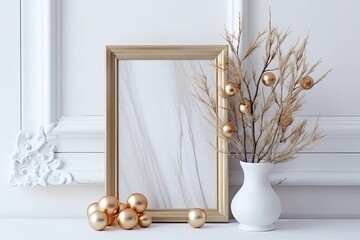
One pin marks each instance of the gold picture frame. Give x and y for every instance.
(114, 57)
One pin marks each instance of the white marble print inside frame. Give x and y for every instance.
(165, 139)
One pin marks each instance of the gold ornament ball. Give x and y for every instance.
(244, 106)
(229, 130)
(307, 82)
(98, 220)
(145, 220)
(137, 202)
(92, 208)
(127, 219)
(109, 205)
(197, 217)
(268, 79)
(231, 89)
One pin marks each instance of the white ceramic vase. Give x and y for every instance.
(256, 206)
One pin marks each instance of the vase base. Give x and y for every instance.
(264, 228)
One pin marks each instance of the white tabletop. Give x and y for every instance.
(67, 229)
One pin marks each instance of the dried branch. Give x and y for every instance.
(267, 128)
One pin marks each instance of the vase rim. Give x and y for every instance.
(249, 163)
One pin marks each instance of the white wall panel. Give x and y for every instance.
(332, 28)
(86, 26)
(9, 93)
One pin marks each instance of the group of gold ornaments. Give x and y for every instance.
(268, 79)
(128, 215)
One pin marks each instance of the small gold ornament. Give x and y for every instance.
(229, 129)
(197, 217)
(244, 106)
(127, 219)
(92, 208)
(286, 120)
(98, 220)
(307, 82)
(137, 202)
(144, 220)
(268, 79)
(231, 89)
(109, 205)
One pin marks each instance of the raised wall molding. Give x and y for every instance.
(34, 162)
(78, 141)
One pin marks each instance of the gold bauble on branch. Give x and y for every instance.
(231, 89)
(109, 205)
(145, 220)
(229, 130)
(127, 219)
(268, 78)
(196, 217)
(244, 106)
(98, 220)
(307, 82)
(137, 202)
(93, 207)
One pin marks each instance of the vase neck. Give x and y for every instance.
(256, 172)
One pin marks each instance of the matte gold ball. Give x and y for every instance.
(231, 89)
(127, 219)
(197, 217)
(92, 208)
(244, 106)
(109, 205)
(307, 82)
(137, 202)
(268, 79)
(145, 220)
(98, 220)
(229, 129)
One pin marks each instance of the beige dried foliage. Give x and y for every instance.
(268, 132)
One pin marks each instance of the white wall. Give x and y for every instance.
(333, 39)
(52, 202)
(88, 25)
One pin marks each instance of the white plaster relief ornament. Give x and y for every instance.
(34, 162)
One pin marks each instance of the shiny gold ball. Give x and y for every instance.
(111, 220)
(92, 208)
(229, 129)
(231, 89)
(244, 106)
(286, 120)
(98, 220)
(109, 205)
(268, 79)
(137, 202)
(145, 220)
(197, 217)
(127, 219)
(307, 82)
